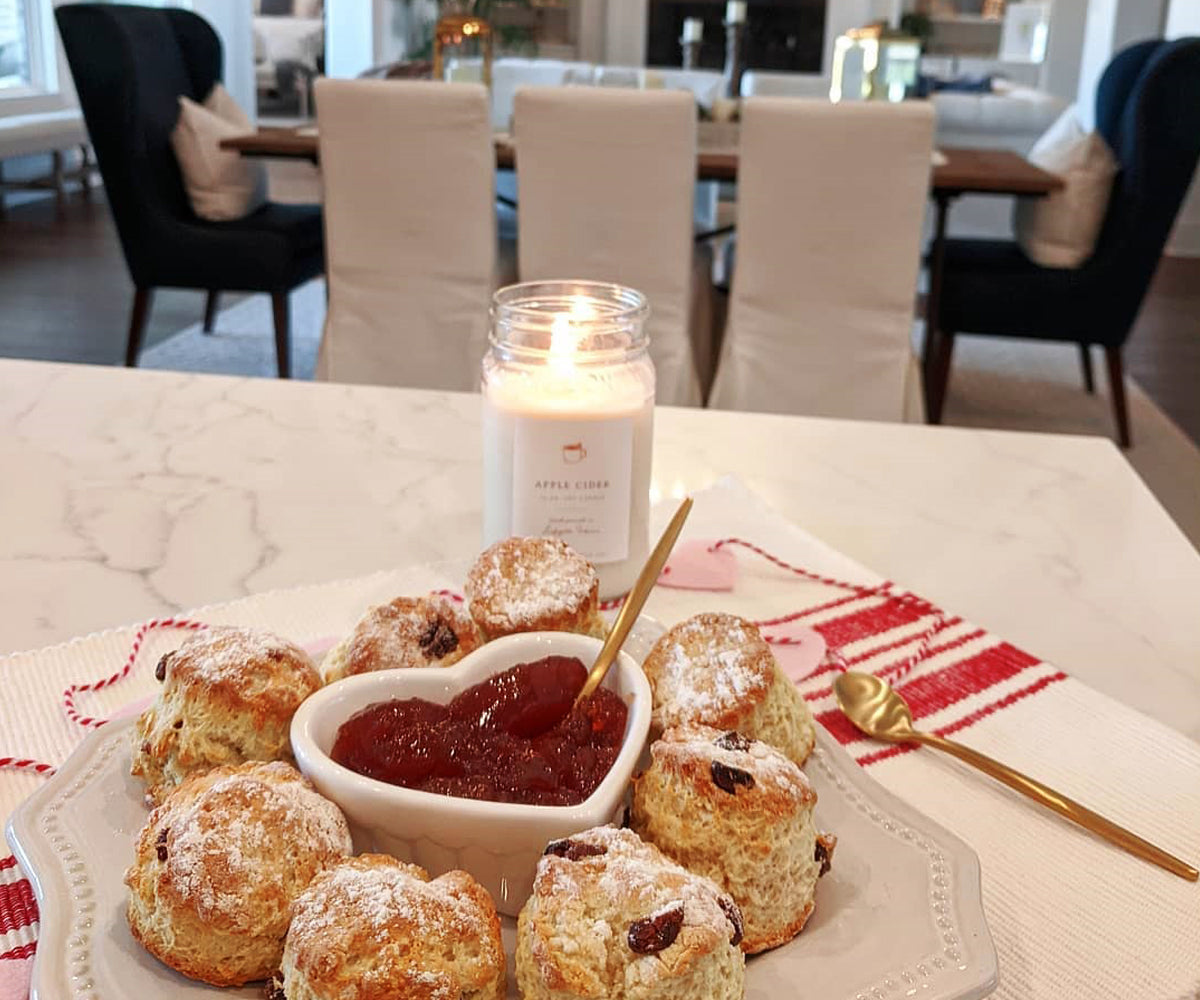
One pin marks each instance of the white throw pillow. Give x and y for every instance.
(1060, 230)
(221, 184)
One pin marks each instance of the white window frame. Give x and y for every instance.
(50, 87)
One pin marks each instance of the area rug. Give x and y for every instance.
(995, 383)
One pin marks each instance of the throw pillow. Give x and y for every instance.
(1060, 230)
(221, 184)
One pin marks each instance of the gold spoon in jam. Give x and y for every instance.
(634, 602)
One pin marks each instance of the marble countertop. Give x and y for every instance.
(130, 494)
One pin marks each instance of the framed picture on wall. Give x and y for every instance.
(1025, 32)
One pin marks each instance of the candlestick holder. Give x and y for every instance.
(735, 66)
(691, 53)
(568, 422)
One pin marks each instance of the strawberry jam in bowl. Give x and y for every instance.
(515, 737)
(479, 765)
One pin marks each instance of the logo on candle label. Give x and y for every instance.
(588, 509)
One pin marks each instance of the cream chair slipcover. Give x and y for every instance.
(410, 231)
(830, 203)
(606, 181)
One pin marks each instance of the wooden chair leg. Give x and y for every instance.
(280, 307)
(59, 179)
(211, 305)
(1116, 385)
(937, 375)
(1085, 360)
(143, 299)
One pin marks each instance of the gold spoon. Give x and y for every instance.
(634, 601)
(872, 705)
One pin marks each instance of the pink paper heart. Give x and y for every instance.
(802, 652)
(695, 565)
(14, 978)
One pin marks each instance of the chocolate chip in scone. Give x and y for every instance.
(145, 746)
(823, 852)
(273, 988)
(160, 671)
(573, 850)
(733, 740)
(656, 933)
(728, 778)
(438, 640)
(178, 724)
(160, 843)
(734, 915)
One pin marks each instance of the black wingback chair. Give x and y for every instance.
(1148, 111)
(131, 65)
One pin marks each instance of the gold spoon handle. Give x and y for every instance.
(634, 602)
(1062, 805)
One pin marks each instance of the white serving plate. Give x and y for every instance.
(899, 914)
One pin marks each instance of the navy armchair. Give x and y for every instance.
(1148, 111)
(131, 65)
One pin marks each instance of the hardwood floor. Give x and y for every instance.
(65, 296)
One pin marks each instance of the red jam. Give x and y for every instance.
(513, 738)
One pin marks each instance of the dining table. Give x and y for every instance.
(955, 172)
(1063, 597)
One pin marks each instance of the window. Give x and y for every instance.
(28, 64)
(14, 45)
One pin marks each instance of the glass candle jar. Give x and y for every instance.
(568, 422)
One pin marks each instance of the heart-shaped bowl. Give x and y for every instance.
(497, 842)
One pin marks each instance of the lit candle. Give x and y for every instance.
(735, 12)
(693, 30)
(568, 418)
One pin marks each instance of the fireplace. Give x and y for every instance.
(786, 35)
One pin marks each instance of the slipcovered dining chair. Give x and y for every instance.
(606, 179)
(1148, 111)
(831, 199)
(131, 65)
(409, 230)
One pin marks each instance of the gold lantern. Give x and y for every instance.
(459, 33)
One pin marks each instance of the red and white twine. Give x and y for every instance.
(68, 696)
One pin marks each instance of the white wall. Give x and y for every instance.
(352, 28)
(1183, 19)
(232, 20)
(1111, 26)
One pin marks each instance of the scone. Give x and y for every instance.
(740, 812)
(715, 670)
(228, 696)
(373, 927)
(219, 864)
(407, 632)
(533, 585)
(611, 916)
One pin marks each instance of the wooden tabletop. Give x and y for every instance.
(966, 171)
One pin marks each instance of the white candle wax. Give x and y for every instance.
(735, 12)
(566, 452)
(693, 29)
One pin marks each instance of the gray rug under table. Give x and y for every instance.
(996, 383)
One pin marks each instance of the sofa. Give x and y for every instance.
(1010, 117)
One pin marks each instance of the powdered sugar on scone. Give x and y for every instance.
(685, 747)
(406, 632)
(373, 926)
(528, 584)
(706, 668)
(610, 915)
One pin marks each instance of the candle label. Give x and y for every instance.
(572, 480)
